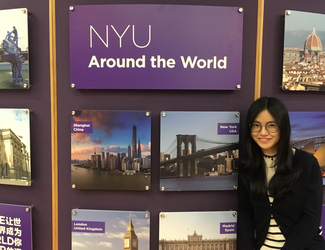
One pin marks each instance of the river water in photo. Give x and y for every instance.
(85, 178)
(221, 182)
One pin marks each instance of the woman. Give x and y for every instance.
(280, 188)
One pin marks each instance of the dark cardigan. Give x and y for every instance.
(297, 214)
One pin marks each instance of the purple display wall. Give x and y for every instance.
(37, 100)
(154, 201)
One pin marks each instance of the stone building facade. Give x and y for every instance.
(196, 242)
(14, 158)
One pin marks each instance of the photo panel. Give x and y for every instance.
(15, 153)
(199, 150)
(15, 227)
(14, 49)
(308, 134)
(198, 230)
(110, 149)
(303, 55)
(105, 229)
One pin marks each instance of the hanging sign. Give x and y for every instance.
(15, 227)
(155, 47)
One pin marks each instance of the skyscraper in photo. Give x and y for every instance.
(134, 143)
(103, 160)
(129, 154)
(139, 151)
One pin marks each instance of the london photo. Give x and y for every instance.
(111, 149)
(199, 150)
(109, 229)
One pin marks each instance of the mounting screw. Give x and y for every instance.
(74, 212)
(73, 112)
(27, 209)
(147, 187)
(147, 113)
(234, 214)
(240, 10)
(163, 114)
(26, 111)
(288, 12)
(162, 188)
(24, 11)
(73, 186)
(73, 85)
(238, 86)
(25, 86)
(162, 216)
(235, 187)
(71, 8)
(146, 215)
(237, 114)
(27, 183)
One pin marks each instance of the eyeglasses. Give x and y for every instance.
(271, 127)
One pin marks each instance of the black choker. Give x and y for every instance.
(272, 157)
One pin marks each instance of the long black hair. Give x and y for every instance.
(252, 169)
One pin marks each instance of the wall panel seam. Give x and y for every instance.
(54, 128)
(259, 49)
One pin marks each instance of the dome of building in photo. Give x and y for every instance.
(313, 48)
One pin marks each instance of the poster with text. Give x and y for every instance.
(145, 46)
(15, 155)
(15, 227)
(198, 230)
(307, 133)
(199, 150)
(14, 49)
(111, 149)
(303, 55)
(105, 229)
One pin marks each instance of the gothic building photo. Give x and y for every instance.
(107, 229)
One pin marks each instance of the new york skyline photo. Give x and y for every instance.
(199, 150)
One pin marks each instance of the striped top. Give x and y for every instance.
(274, 238)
